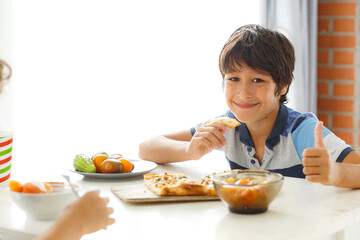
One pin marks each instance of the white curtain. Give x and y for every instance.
(297, 19)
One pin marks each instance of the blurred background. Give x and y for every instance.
(91, 76)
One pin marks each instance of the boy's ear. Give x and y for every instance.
(284, 90)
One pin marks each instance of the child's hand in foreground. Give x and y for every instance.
(318, 167)
(92, 211)
(86, 215)
(206, 139)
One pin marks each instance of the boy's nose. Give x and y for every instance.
(244, 90)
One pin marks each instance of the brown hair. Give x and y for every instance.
(262, 49)
(5, 73)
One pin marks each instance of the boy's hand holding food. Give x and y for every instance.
(318, 167)
(206, 139)
(210, 136)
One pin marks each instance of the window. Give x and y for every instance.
(104, 75)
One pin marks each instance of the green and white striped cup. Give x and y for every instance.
(6, 143)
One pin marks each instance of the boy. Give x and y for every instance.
(257, 64)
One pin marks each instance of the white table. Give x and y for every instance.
(302, 210)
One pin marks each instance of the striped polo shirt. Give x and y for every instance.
(293, 132)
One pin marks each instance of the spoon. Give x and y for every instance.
(72, 187)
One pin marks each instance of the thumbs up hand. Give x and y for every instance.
(318, 135)
(318, 167)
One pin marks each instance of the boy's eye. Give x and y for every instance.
(258, 80)
(233, 79)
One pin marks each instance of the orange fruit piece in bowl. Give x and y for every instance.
(34, 187)
(15, 186)
(242, 181)
(128, 166)
(49, 188)
(229, 180)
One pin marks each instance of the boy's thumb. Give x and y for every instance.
(318, 134)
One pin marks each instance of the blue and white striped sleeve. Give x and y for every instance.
(303, 137)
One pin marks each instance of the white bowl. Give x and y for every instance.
(45, 206)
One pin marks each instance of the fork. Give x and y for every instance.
(72, 187)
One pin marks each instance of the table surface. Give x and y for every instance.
(302, 210)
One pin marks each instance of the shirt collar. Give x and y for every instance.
(274, 137)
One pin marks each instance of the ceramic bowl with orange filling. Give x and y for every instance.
(42, 200)
(247, 191)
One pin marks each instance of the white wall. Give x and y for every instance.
(6, 104)
(104, 75)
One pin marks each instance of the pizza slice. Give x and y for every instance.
(177, 185)
(230, 122)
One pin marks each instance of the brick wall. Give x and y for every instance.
(338, 68)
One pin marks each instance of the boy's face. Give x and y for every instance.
(250, 95)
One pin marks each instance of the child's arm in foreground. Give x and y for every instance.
(318, 167)
(183, 146)
(86, 215)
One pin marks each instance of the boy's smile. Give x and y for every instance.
(250, 95)
(245, 105)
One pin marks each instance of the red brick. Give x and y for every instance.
(323, 25)
(343, 90)
(336, 73)
(348, 137)
(337, 9)
(336, 41)
(344, 25)
(323, 89)
(325, 118)
(323, 57)
(343, 57)
(343, 121)
(335, 105)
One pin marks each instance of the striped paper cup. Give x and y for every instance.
(6, 142)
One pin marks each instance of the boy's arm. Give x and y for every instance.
(166, 148)
(318, 167)
(182, 146)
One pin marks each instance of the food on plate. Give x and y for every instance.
(177, 185)
(111, 166)
(98, 161)
(230, 122)
(103, 153)
(116, 156)
(103, 163)
(128, 166)
(30, 187)
(84, 164)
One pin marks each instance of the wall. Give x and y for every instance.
(6, 45)
(338, 68)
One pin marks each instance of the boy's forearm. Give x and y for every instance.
(347, 175)
(164, 150)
